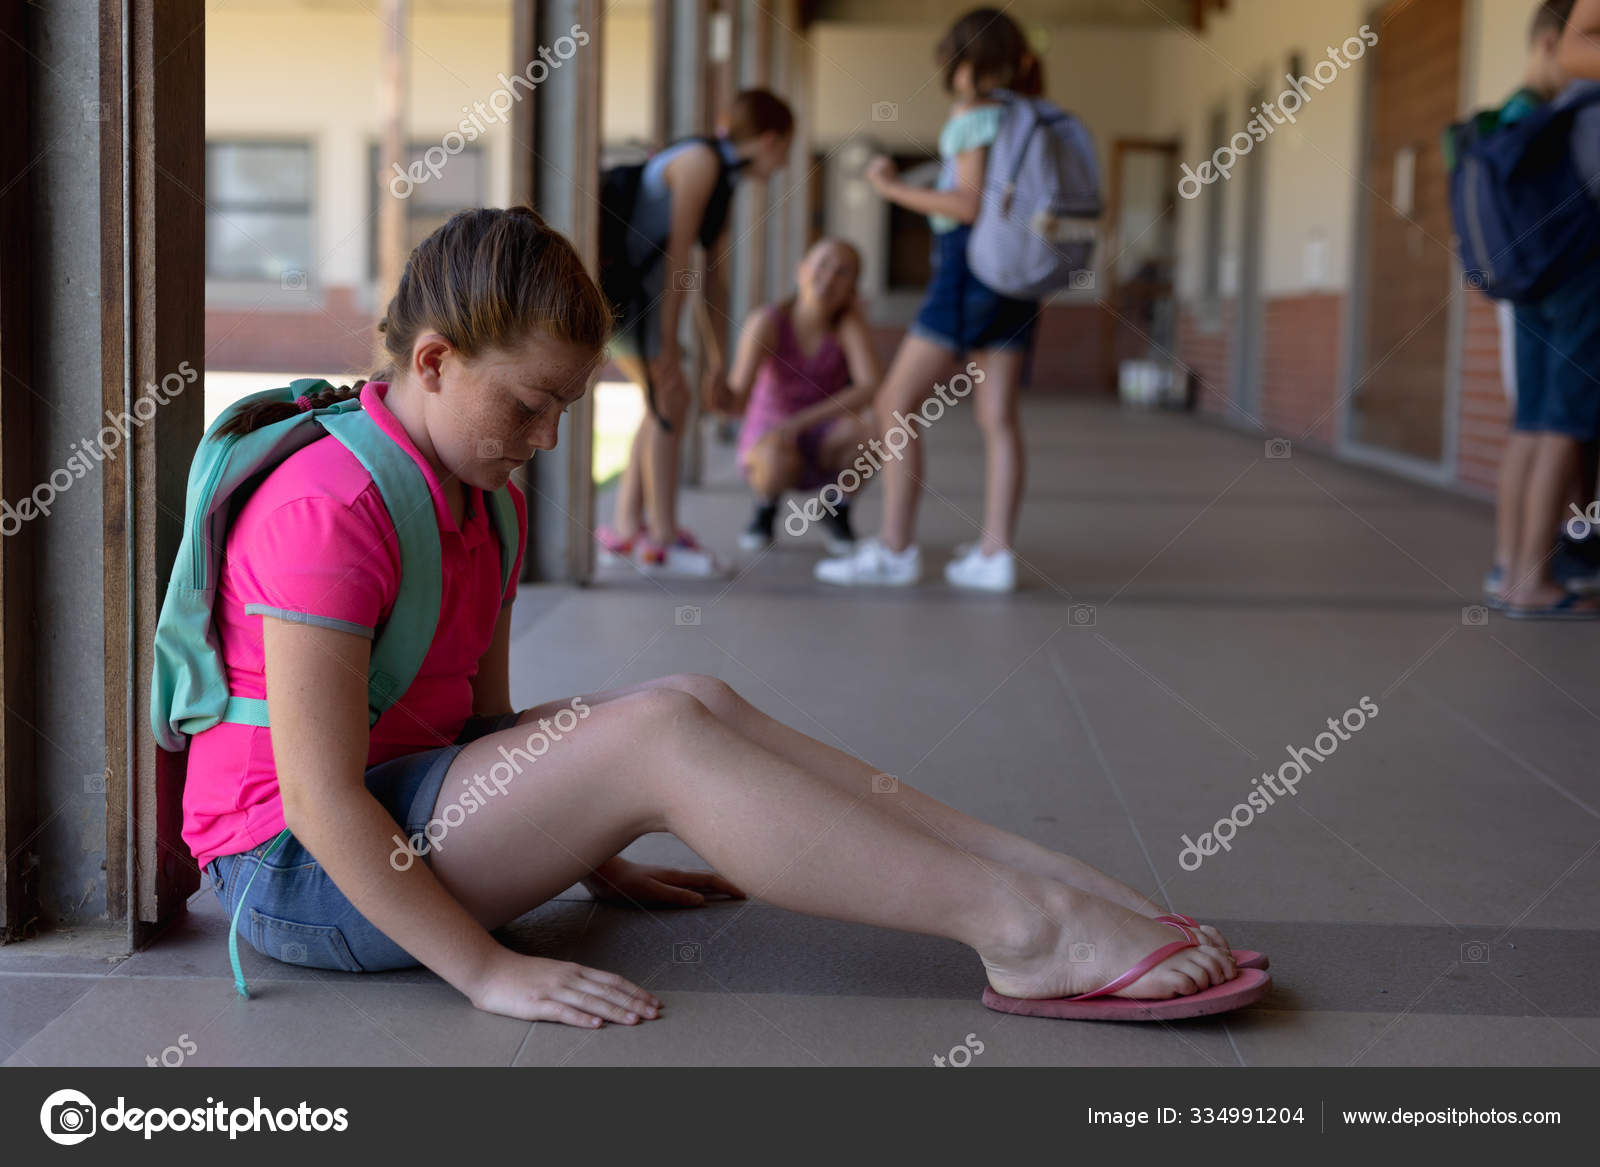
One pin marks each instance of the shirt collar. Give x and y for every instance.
(372, 401)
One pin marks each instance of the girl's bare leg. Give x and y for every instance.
(661, 761)
(629, 513)
(986, 844)
(917, 365)
(647, 496)
(996, 397)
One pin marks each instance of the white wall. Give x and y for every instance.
(1311, 167)
(1498, 40)
(1100, 74)
(298, 73)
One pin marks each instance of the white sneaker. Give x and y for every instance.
(683, 562)
(872, 564)
(988, 573)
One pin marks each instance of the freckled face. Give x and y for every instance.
(494, 410)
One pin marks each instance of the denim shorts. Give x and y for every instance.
(295, 913)
(1558, 362)
(963, 313)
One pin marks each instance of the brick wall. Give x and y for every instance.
(1069, 349)
(1485, 412)
(335, 338)
(1300, 366)
(1204, 349)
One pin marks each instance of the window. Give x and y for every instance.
(460, 184)
(258, 210)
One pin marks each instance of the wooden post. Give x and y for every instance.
(153, 248)
(394, 150)
(18, 899)
(555, 166)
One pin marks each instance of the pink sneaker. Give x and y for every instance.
(613, 547)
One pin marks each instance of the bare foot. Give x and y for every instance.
(1081, 943)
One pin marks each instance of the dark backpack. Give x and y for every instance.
(621, 279)
(1526, 220)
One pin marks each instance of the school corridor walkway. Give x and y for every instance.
(1196, 609)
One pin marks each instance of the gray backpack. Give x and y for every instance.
(1035, 231)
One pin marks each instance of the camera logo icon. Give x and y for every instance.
(490, 448)
(1474, 280)
(686, 952)
(686, 281)
(96, 783)
(1081, 953)
(1474, 615)
(294, 280)
(1278, 447)
(294, 953)
(1081, 615)
(67, 1117)
(1083, 280)
(885, 111)
(1474, 952)
(686, 616)
(885, 784)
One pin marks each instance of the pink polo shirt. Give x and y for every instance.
(316, 539)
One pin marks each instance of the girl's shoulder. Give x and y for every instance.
(321, 491)
(971, 128)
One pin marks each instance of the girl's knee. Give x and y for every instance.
(665, 709)
(711, 693)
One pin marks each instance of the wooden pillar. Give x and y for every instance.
(394, 148)
(555, 166)
(18, 899)
(152, 249)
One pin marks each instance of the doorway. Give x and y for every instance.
(1401, 365)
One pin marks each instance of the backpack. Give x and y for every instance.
(1041, 190)
(621, 280)
(1525, 220)
(189, 689)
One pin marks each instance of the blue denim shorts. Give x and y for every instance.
(295, 913)
(1558, 362)
(963, 313)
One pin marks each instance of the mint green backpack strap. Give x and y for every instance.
(401, 644)
(503, 517)
(189, 688)
(233, 929)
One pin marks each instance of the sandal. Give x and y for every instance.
(1242, 957)
(1566, 608)
(1246, 988)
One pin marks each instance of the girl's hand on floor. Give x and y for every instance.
(533, 988)
(619, 881)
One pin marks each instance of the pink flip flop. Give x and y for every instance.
(1248, 987)
(1242, 957)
